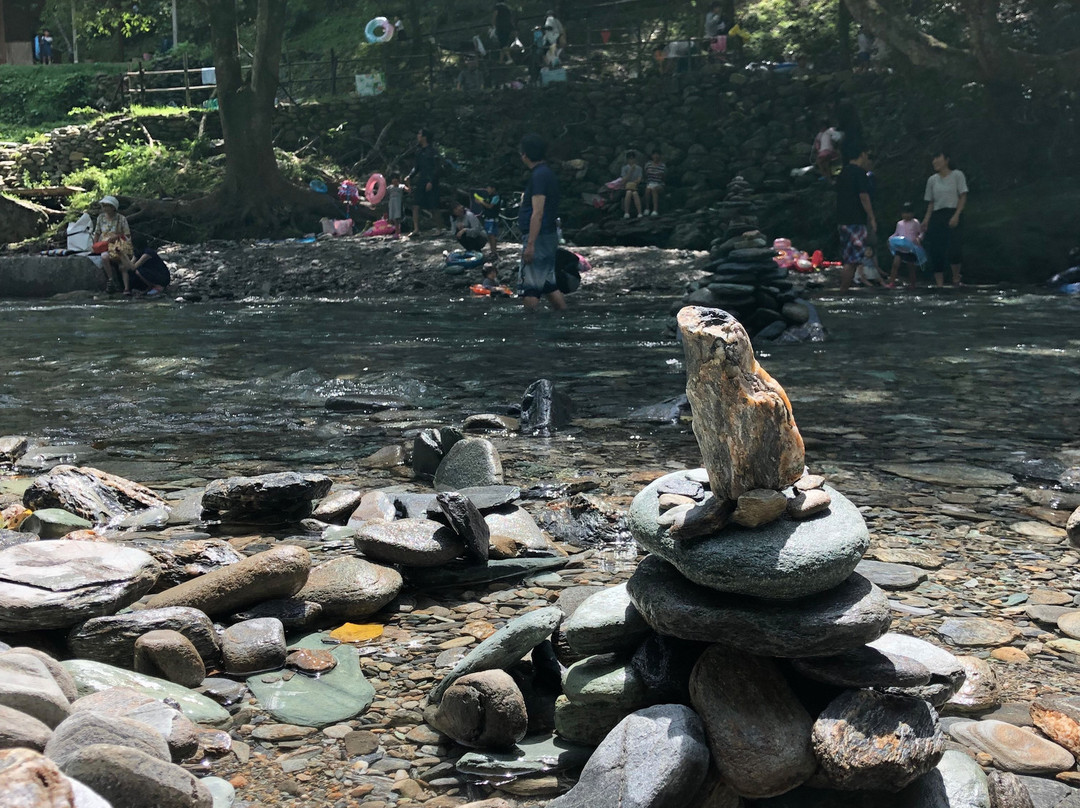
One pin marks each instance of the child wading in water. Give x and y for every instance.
(906, 246)
(490, 206)
(868, 273)
(395, 202)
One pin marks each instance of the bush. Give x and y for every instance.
(35, 95)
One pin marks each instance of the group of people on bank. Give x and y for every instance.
(933, 245)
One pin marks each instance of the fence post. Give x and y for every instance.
(333, 72)
(187, 84)
(431, 67)
(142, 84)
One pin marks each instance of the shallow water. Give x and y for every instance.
(990, 375)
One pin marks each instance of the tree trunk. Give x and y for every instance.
(843, 32)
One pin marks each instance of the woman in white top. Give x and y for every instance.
(946, 198)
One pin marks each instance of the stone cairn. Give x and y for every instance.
(745, 280)
(749, 610)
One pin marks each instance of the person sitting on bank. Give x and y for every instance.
(465, 226)
(631, 176)
(112, 228)
(147, 273)
(655, 176)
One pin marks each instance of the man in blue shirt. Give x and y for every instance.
(537, 218)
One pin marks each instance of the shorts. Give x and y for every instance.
(428, 200)
(852, 243)
(538, 278)
(654, 185)
(491, 227)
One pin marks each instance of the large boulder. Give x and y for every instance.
(470, 462)
(410, 542)
(285, 495)
(57, 583)
(484, 710)
(95, 495)
(742, 416)
(349, 588)
(112, 639)
(87, 727)
(128, 778)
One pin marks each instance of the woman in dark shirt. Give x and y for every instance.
(425, 179)
(148, 272)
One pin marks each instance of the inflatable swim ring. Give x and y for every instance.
(480, 290)
(373, 26)
(465, 259)
(375, 189)
(318, 186)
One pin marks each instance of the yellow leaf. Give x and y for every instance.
(356, 632)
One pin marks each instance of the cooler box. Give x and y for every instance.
(551, 75)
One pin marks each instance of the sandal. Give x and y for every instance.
(127, 293)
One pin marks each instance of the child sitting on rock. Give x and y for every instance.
(868, 272)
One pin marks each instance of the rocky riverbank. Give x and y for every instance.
(970, 558)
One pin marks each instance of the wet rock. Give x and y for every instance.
(310, 660)
(1013, 749)
(495, 570)
(429, 448)
(706, 518)
(169, 655)
(53, 523)
(758, 731)
(179, 733)
(1059, 719)
(128, 778)
(94, 495)
(954, 475)
(87, 727)
(484, 710)
(375, 506)
(55, 584)
(276, 573)
(977, 631)
(654, 757)
(467, 522)
(335, 696)
(808, 503)
(979, 692)
(742, 417)
(186, 559)
(490, 497)
(544, 409)
(489, 422)
(385, 458)
(337, 506)
(507, 645)
(112, 639)
(17, 729)
(293, 613)
(606, 622)
(12, 447)
(27, 686)
(604, 680)
(782, 560)
(30, 779)
(94, 677)
(865, 740)
(946, 671)
(846, 617)
(586, 723)
(350, 588)
(956, 782)
(864, 667)
(515, 523)
(532, 756)
(1008, 791)
(410, 542)
(253, 645)
(1072, 528)
(891, 576)
(248, 498)
(368, 404)
(471, 462)
(759, 507)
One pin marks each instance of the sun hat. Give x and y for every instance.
(109, 200)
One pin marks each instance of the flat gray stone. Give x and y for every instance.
(782, 560)
(27, 686)
(605, 680)
(337, 695)
(891, 576)
(586, 723)
(531, 756)
(349, 588)
(55, 584)
(112, 639)
(93, 677)
(506, 646)
(950, 475)
(410, 542)
(864, 667)
(266, 493)
(977, 631)
(501, 569)
(471, 462)
(53, 523)
(946, 671)
(1013, 749)
(184, 559)
(654, 757)
(128, 778)
(606, 621)
(87, 727)
(17, 729)
(846, 617)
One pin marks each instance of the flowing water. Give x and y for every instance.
(989, 376)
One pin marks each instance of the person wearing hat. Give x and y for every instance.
(113, 229)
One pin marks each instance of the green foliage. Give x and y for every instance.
(147, 171)
(33, 95)
(803, 27)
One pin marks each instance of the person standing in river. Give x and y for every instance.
(537, 218)
(946, 198)
(425, 180)
(855, 220)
